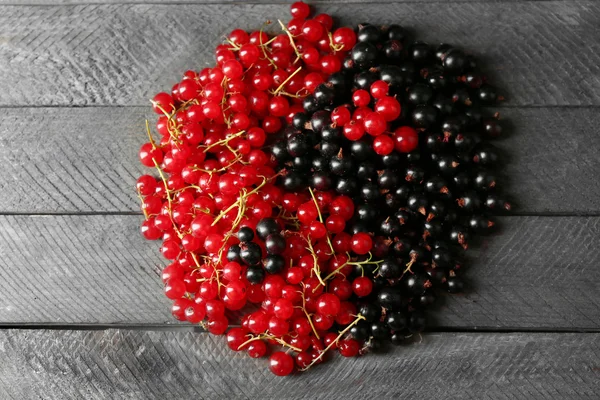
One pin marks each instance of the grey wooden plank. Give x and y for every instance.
(167, 365)
(540, 53)
(315, 3)
(85, 159)
(537, 273)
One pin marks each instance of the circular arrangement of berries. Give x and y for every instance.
(314, 190)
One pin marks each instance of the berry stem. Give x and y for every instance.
(263, 47)
(224, 141)
(242, 199)
(287, 31)
(286, 81)
(150, 138)
(359, 263)
(142, 201)
(333, 46)
(167, 192)
(359, 317)
(213, 265)
(321, 220)
(308, 316)
(316, 267)
(169, 120)
(233, 45)
(266, 336)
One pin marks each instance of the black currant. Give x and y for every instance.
(275, 243)
(364, 54)
(266, 227)
(370, 311)
(255, 275)
(233, 253)
(250, 253)
(245, 234)
(274, 263)
(420, 93)
(424, 116)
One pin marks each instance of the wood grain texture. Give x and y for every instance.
(85, 159)
(538, 273)
(540, 53)
(316, 3)
(122, 364)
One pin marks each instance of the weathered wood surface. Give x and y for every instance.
(538, 273)
(167, 365)
(541, 53)
(58, 160)
(315, 3)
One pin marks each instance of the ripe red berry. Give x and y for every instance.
(281, 364)
(347, 313)
(170, 249)
(348, 347)
(328, 304)
(163, 103)
(232, 69)
(406, 139)
(345, 38)
(279, 106)
(340, 115)
(361, 98)
(218, 326)
(312, 31)
(362, 286)
(149, 154)
(195, 313)
(249, 54)
(389, 107)
(188, 89)
(335, 224)
(379, 89)
(239, 37)
(330, 64)
(353, 130)
(258, 322)
(175, 289)
(300, 9)
(322, 322)
(342, 206)
(178, 308)
(307, 212)
(257, 349)
(325, 20)
(312, 80)
(374, 124)
(383, 145)
(361, 243)
(303, 359)
(283, 309)
(235, 338)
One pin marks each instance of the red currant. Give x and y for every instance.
(406, 139)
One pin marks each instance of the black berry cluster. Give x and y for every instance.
(404, 131)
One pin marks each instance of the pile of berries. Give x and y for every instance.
(321, 181)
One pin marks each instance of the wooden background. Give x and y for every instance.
(81, 309)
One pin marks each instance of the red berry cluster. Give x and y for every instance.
(374, 121)
(214, 179)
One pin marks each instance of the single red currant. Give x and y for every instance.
(281, 364)
(406, 139)
(361, 243)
